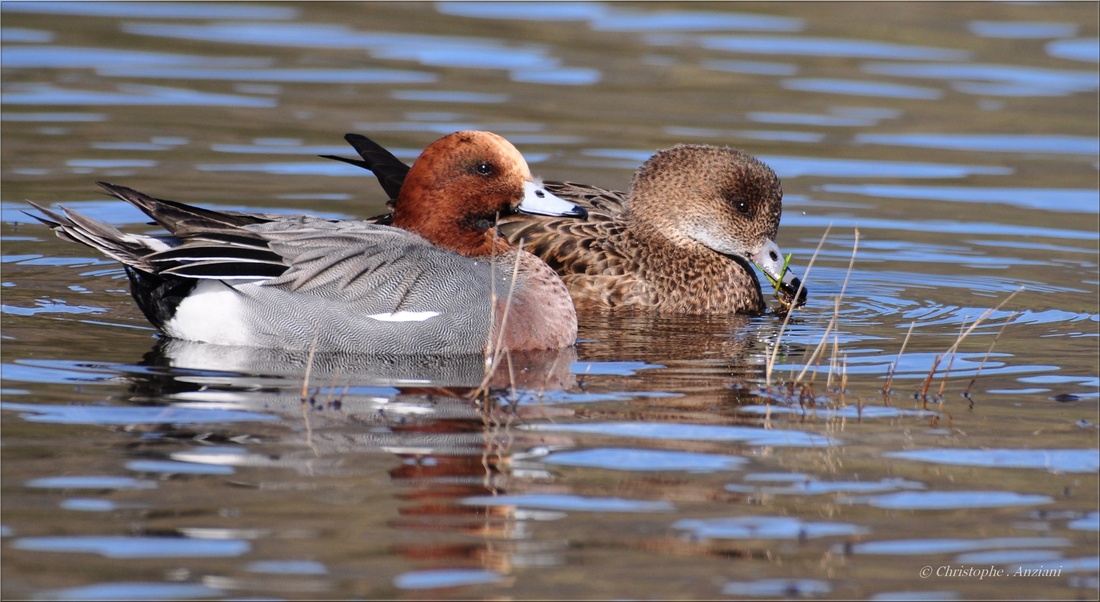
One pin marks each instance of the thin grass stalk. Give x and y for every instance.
(954, 347)
(836, 304)
(770, 364)
(843, 378)
(834, 361)
(950, 362)
(978, 372)
(304, 405)
(923, 394)
(897, 360)
(497, 349)
(309, 367)
(982, 319)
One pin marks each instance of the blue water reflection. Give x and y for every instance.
(608, 17)
(1022, 29)
(26, 36)
(951, 500)
(915, 547)
(830, 47)
(764, 527)
(77, 414)
(698, 432)
(1056, 460)
(135, 590)
(996, 143)
(1010, 80)
(525, 62)
(644, 459)
(127, 94)
(1046, 199)
(104, 59)
(576, 503)
(445, 578)
(778, 588)
(155, 10)
(1086, 49)
(135, 547)
(861, 88)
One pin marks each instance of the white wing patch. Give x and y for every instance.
(405, 316)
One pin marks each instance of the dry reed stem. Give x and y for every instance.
(309, 367)
(495, 350)
(982, 319)
(834, 361)
(897, 360)
(770, 363)
(923, 394)
(305, 395)
(950, 362)
(958, 341)
(836, 308)
(978, 372)
(843, 378)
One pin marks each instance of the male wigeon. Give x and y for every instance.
(681, 240)
(441, 282)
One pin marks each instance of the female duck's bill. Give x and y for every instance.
(446, 285)
(773, 265)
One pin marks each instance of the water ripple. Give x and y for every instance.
(79, 414)
(1033, 80)
(136, 547)
(1021, 29)
(833, 47)
(1054, 460)
(916, 547)
(604, 17)
(158, 10)
(861, 88)
(997, 143)
(432, 579)
(134, 590)
(764, 527)
(1074, 200)
(643, 460)
(1084, 49)
(694, 432)
(951, 500)
(127, 95)
(549, 501)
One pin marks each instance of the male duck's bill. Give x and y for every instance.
(538, 201)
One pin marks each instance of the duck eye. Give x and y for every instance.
(484, 169)
(742, 207)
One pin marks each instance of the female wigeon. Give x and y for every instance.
(441, 282)
(680, 241)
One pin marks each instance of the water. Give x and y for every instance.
(952, 148)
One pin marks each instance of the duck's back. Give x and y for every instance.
(596, 258)
(367, 288)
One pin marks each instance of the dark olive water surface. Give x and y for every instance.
(953, 148)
